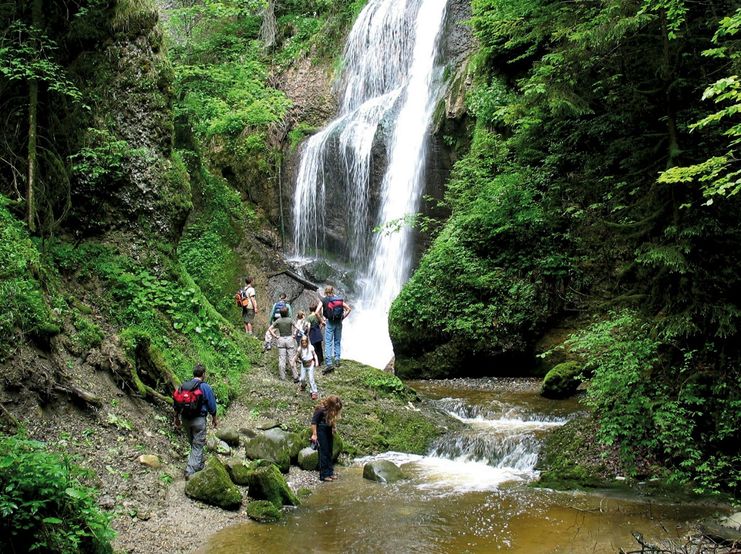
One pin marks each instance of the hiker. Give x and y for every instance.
(246, 300)
(334, 309)
(323, 426)
(283, 330)
(302, 325)
(307, 356)
(192, 401)
(316, 322)
(275, 311)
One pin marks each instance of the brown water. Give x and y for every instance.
(477, 502)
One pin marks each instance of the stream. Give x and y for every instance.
(471, 492)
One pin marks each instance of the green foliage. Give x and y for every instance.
(386, 383)
(683, 414)
(44, 504)
(103, 159)
(208, 246)
(26, 54)
(620, 354)
(153, 299)
(719, 175)
(88, 334)
(25, 310)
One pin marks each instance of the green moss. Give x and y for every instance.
(266, 482)
(212, 486)
(88, 334)
(567, 459)
(264, 511)
(562, 381)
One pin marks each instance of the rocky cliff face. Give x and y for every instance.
(129, 79)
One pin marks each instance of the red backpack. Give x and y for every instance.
(188, 398)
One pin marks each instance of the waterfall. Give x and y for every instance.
(389, 87)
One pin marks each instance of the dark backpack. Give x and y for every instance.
(188, 398)
(277, 308)
(334, 309)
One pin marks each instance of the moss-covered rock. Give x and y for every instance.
(266, 483)
(274, 445)
(382, 471)
(567, 459)
(229, 436)
(264, 511)
(308, 459)
(238, 471)
(561, 381)
(212, 485)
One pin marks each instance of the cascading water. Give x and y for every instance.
(500, 443)
(390, 85)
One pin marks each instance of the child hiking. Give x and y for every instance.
(307, 357)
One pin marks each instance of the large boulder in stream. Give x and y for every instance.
(267, 483)
(213, 486)
(561, 381)
(274, 445)
(382, 471)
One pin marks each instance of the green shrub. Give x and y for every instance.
(44, 505)
(25, 309)
(387, 383)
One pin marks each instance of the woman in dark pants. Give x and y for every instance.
(323, 426)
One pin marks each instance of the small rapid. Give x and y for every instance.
(499, 444)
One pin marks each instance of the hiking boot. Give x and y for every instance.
(314, 395)
(328, 369)
(295, 379)
(302, 386)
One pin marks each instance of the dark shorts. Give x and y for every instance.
(248, 316)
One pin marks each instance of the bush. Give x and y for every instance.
(44, 505)
(25, 310)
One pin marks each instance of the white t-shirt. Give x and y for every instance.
(306, 354)
(250, 293)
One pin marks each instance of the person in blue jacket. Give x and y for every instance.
(195, 426)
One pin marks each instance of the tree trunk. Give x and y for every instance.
(268, 28)
(33, 107)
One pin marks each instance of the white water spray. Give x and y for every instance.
(391, 84)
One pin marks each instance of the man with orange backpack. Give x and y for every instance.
(245, 299)
(193, 401)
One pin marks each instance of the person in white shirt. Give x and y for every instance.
(307, 355)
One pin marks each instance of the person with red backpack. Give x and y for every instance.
(193, 401)
(335, 310)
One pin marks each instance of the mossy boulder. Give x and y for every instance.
(267, 483)
(382, 471)
(274, 445)
(237, 471)
(229, 436)
(308, 459)
(264, 511)
(213, 486)
(561, 381)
